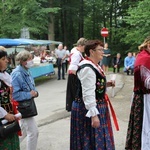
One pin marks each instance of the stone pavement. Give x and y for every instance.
(54, 122)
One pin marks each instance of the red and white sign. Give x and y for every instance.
(104, 32)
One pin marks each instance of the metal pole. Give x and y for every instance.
(104, 40)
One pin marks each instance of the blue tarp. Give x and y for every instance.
(39, 42)
(29, 41)
(11, 42)
(16, 42)
(42, 70)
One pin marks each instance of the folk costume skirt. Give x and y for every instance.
(10, 143)
(83, 136)
(134, 132)
(71, 91)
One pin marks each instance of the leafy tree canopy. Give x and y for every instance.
(139, 24)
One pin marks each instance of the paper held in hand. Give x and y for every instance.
(113, 79)
(4, 121)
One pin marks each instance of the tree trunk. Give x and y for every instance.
(64, 21)
(94, 19)
(81, 19)
(111, 18)
(51, 34)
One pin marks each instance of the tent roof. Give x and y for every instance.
(11, 42)
(30, 42)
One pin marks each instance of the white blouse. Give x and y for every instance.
(3, 112)
(88, 80)
(76, 57)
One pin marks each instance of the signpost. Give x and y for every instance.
(104, 33)
(25, 33)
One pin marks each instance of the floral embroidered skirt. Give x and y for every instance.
(133, 140)
(84, 136)
(10, 143)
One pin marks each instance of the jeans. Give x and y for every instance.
(29, 129)
(127, 71)
(62, 66)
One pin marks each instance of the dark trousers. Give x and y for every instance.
(67, 62)
(61, 67)
(128, 71)
(118, 69)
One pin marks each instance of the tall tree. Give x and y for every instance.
(138, 19)
(81, 19)
(19, 13)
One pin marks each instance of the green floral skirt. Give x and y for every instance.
(10, 143)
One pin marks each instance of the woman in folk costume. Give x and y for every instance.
(90, 119)
(75, 58)
(138, 135)
(6, 110)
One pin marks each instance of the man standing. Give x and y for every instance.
(129, 63)
(61, 55)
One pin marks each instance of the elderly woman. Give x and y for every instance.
(6, 110)
(90, 120)
(138, 135)
(24, 89)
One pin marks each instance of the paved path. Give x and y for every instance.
(54, 121)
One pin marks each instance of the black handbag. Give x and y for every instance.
(9, 128)
(27, 108)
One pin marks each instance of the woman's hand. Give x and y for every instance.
(115, 66)
(111, 83)
(10, 117)
(34, 93)
(95, 122)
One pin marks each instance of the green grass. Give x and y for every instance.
(111, 69)
(41, 79)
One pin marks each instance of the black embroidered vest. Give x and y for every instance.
(100, 84)
(5, 97)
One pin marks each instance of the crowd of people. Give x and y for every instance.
(86, 96)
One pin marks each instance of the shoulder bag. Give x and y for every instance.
(27, 108)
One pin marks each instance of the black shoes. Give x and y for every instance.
(128, 72)
(62, 78)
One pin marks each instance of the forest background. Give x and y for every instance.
(128, 21)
